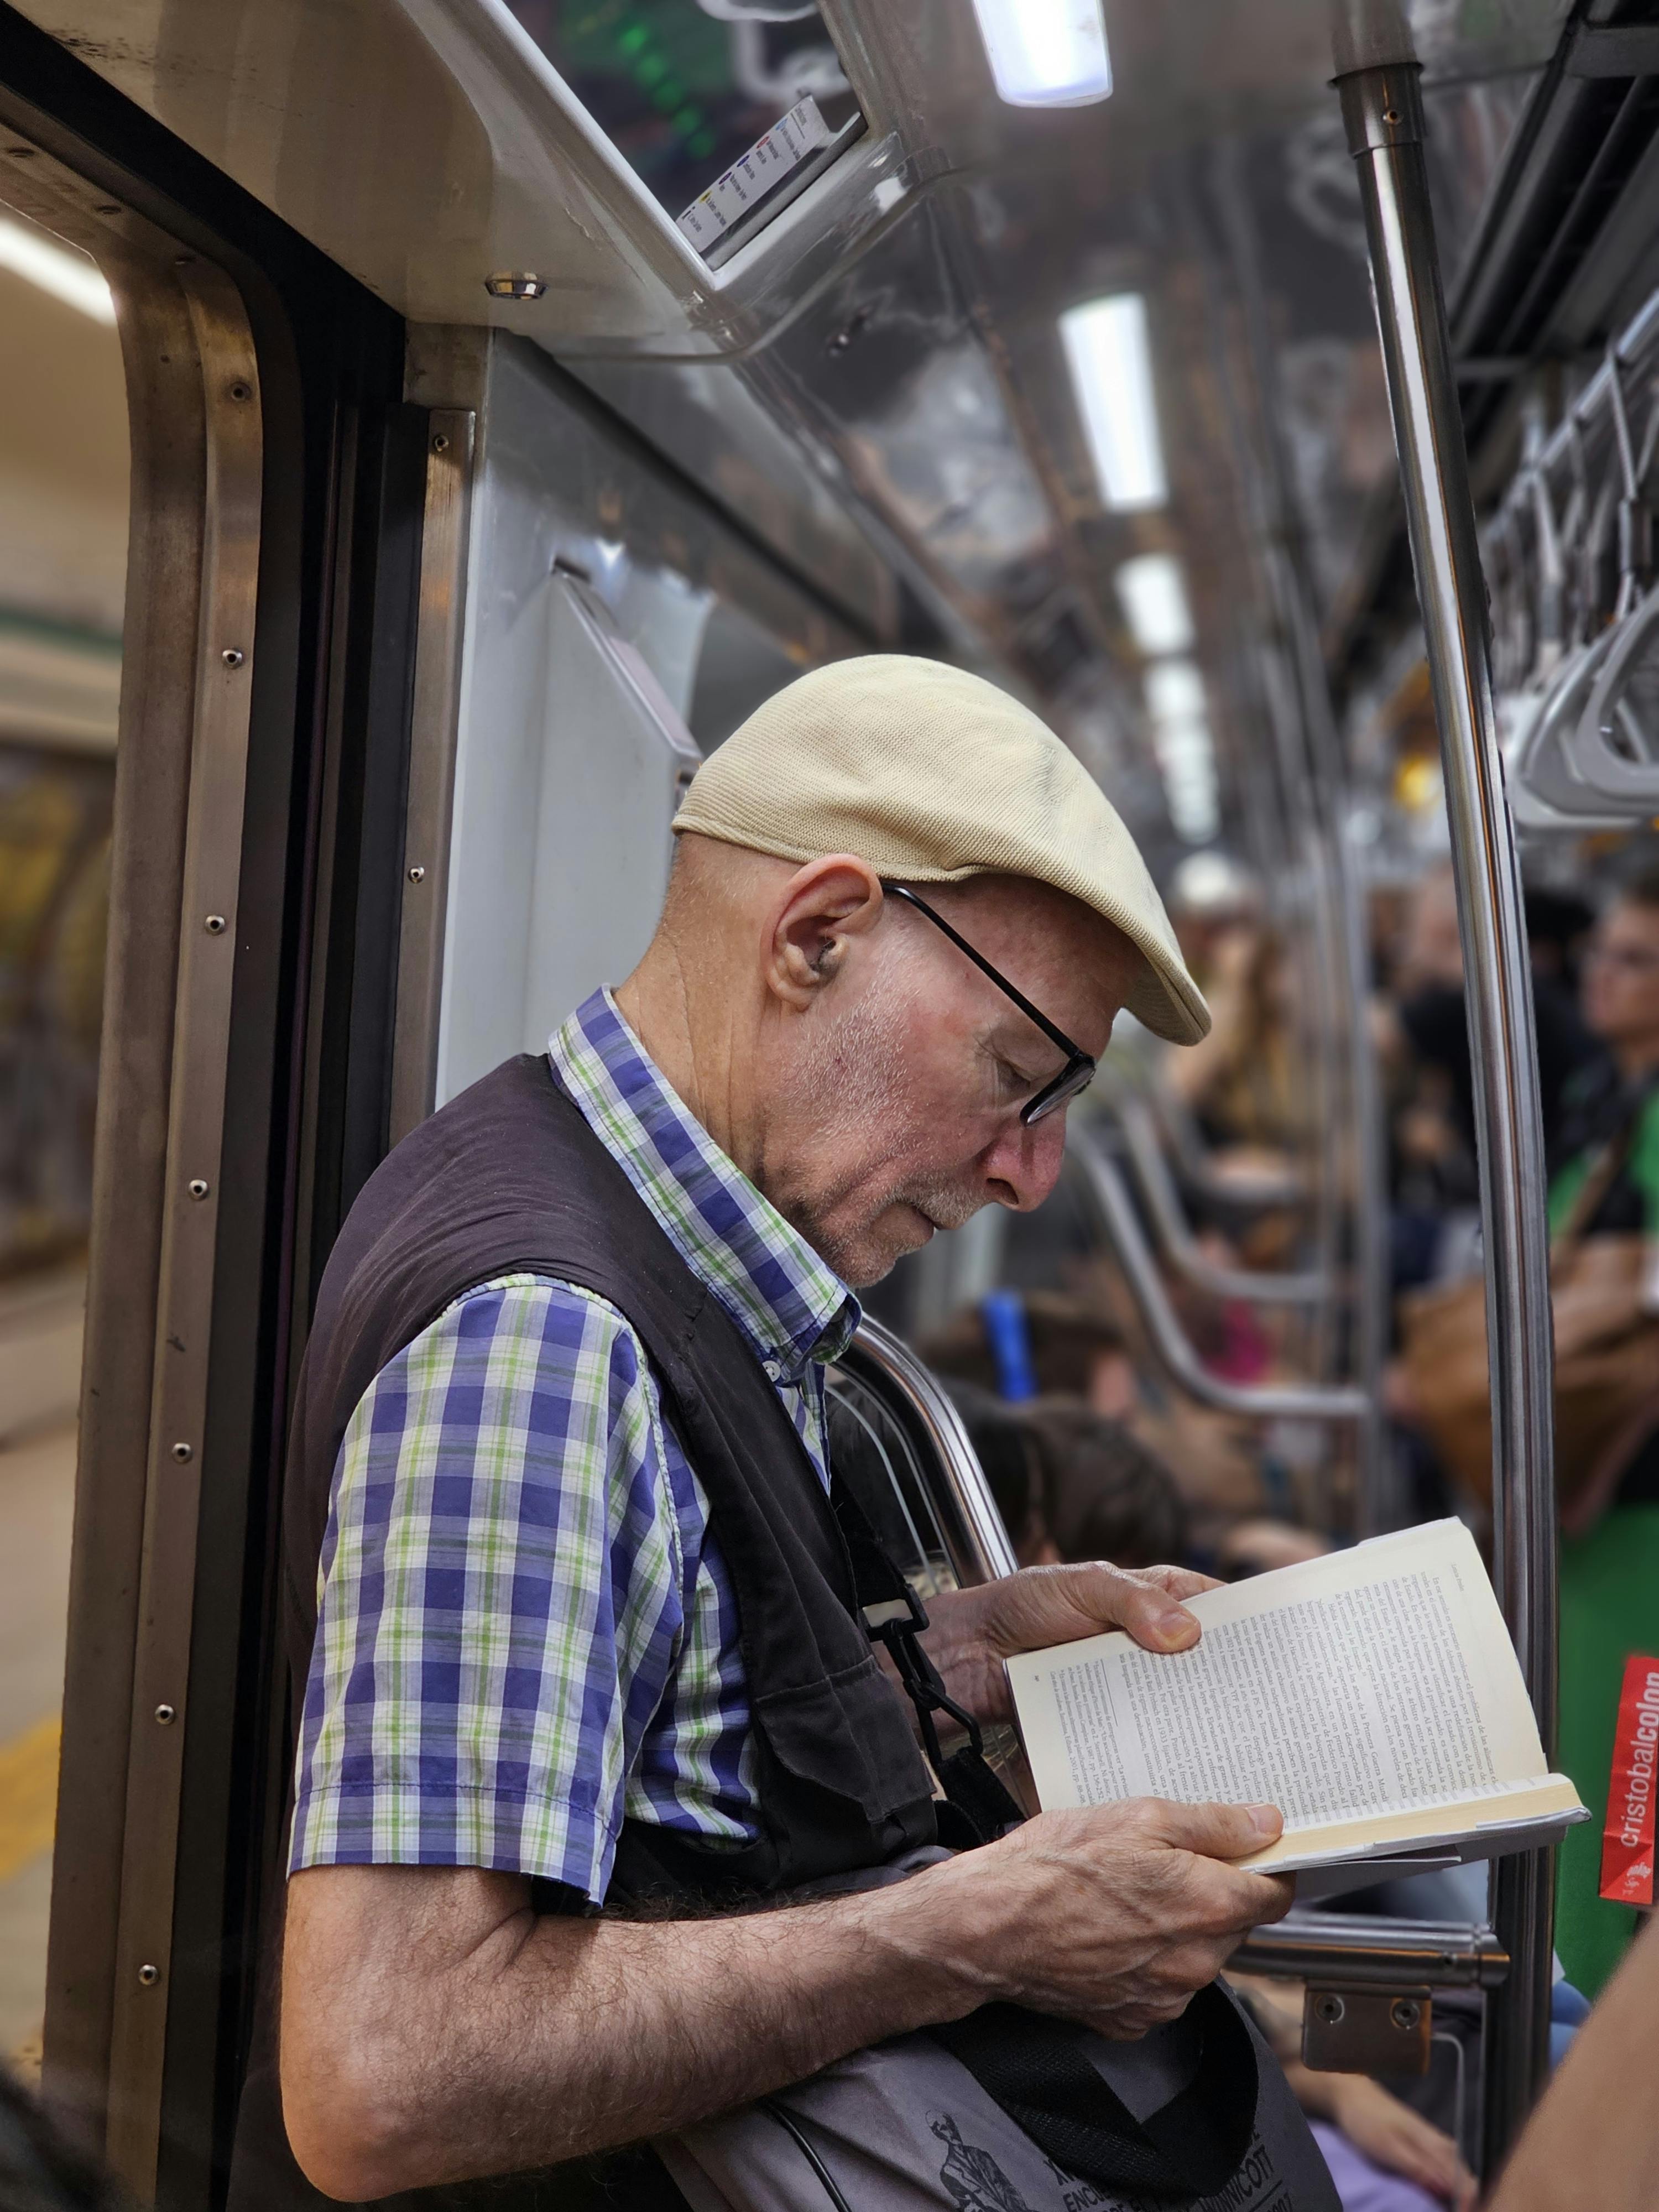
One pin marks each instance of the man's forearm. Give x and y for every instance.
(457, 2083)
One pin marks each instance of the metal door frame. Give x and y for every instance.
(244, 350)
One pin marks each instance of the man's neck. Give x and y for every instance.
(1636, 1057)
(696, 1056)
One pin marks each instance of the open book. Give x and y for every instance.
(1373, 1696)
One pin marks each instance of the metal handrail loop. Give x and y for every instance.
(1605, 774)
(1169, 1341)
(1174, 1233)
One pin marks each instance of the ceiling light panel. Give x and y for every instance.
(1152, 593)
(1109, 354)
(1184, 747)
(71, 277)
(1046, 53)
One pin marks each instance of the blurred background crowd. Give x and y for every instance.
(1092, 1452)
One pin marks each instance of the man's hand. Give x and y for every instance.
(1114, 1915)
(973, 1631)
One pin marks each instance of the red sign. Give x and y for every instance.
(1627, 1838)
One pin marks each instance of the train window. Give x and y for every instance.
(62, 552)
(723, 109)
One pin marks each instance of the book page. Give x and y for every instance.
(1370, 1682)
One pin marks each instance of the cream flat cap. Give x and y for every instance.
(931, 774)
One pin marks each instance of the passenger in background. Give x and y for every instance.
(1610, 1563)
(1241, 1082)
(1432, 1018)
(1010, 1458)
(1559, 925)
(1383, 2156)
(1104, 1495)
(1115, 1467)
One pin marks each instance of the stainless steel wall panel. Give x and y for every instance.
(543, 763)
(441, 621)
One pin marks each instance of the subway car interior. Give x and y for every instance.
(431, 428)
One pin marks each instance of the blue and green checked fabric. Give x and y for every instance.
(526, 1632)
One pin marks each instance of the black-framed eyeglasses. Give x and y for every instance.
(1079, 1072)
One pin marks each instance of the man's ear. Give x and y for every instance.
(821, 907)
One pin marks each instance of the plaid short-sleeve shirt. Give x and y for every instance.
(526, 1632)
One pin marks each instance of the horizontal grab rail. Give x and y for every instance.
(1266, 1400)
(1374, 1953)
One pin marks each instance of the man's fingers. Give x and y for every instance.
(1149, 1612)
(1217, 1831)
(1181, 1582)
(1043, 1606)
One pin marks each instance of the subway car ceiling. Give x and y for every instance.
(893, 383)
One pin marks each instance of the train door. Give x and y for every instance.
(419, 646)
(164, 752)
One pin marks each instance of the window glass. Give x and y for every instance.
(62, 558)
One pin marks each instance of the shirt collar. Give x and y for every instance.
(788, 1301)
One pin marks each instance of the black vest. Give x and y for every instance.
(509, 1176)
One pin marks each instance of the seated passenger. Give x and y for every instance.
(1011, 1459)
(1383, 2156)
(1431, 1014)
(1242, 1081)
(1214, 1461)
(1104, 1496)
(585, 1677)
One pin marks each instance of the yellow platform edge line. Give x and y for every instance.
(28, 1794)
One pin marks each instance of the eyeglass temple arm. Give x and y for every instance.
(1055, 1036)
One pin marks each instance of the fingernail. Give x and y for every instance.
(1266, 1820)
(1176, 1626)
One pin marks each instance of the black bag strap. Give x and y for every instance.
(979, 1806)
(1035, 2070)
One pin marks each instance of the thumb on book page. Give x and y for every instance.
(1222, 1831)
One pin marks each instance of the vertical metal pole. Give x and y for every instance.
(1383, 112)
(1299, 709)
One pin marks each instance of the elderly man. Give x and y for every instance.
(585, 1636)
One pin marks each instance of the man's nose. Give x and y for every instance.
(1022, 1164)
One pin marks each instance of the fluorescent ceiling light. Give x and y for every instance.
(68, 277)
(1185, 749)
(1046, 53)
(1175, 693)
(1152, 593)
(1110, 359)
